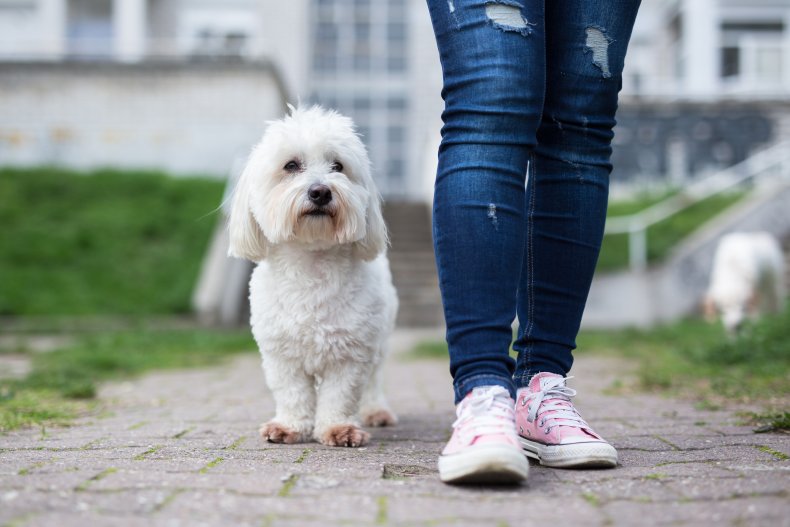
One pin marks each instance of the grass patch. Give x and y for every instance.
(236, 444)
(381, 512)
(153, 450)
(211, 464)
(592, 499)
(768, 421)
(288, 484)
(428, 349)
(306, 452)
(781, 456)
(25, 407)
(663, 236)
(103, 242)
(98, 477)
(60, 379)
(694, 357)
(183, 432)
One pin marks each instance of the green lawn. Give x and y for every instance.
(104, 242)
(63, 381)
(117, 247)
(696, 358)
(693, 358)
(663, 236)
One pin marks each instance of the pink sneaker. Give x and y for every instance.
(553, 432)
(484, 447)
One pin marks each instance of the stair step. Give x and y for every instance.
(412, 264)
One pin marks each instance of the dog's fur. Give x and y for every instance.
(322, 300)
(747, 278)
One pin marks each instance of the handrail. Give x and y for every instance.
(636, 225)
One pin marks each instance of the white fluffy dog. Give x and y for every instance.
(322, 300)
(747, 278)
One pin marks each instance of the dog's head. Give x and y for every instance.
(307, 181)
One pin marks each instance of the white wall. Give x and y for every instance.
(32, 28)
(177, 117)
(286, 38)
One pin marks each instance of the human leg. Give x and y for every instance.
(567, 191)
(493, 65)
(566, 202)
(493, 92)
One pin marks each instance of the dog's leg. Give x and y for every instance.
(375, 411)
(338, 403)
(294, 396)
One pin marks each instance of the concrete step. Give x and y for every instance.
(412, 264)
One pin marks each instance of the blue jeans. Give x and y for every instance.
(529, 85)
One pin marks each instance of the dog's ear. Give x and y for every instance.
(375, 240)
(246, 237)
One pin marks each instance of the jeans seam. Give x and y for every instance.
(530, 228)
(530, 266)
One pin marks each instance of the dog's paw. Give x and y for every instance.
(275, 432)
(379, 417)
(344, 435)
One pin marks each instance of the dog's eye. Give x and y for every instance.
(291, 166)
(337, 166)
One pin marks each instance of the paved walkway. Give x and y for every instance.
(181, 448)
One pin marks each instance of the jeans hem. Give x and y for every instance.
(465, 386)
(522, 380)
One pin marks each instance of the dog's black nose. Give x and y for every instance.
(319, 194)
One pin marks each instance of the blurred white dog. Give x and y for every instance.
(747, 278)
(322, 300)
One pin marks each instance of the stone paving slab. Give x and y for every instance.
(181, 449)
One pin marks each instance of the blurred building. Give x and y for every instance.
(376, 61)
(154, 84)
(359, 56)
(706, 84)
(126, 30)
(710, 49)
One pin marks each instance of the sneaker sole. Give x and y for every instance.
(488, 464)
(575, 455)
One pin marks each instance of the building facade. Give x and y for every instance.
(710, 49)
(376, 61)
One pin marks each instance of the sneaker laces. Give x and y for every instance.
(487, 411)
(555, 397)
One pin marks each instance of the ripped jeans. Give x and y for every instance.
(529, 85)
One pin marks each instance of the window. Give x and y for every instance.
(396, 103)
(395, 169)
(730, 62)
(362, 104)
(752, 54)
(89, 30)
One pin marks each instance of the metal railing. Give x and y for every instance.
(774, 158)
